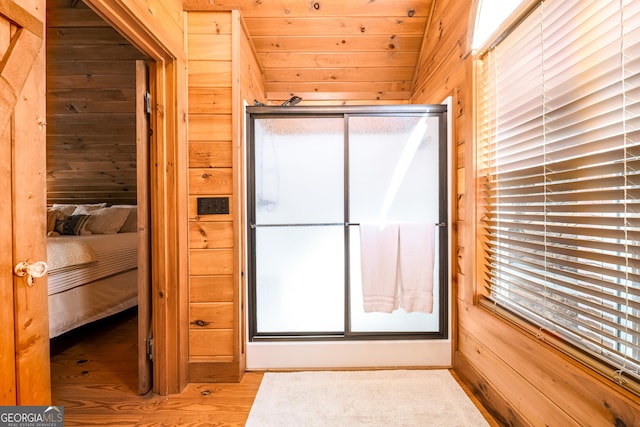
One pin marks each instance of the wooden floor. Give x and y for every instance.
(94, 376)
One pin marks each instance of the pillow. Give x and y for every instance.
(69, 208)
(66, 209)
(53, 216)
(131, 223)
(73, 225)
(101, 204)
(86, 209)
(104, 220)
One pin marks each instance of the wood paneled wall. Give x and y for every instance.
(91, 121)
(214, 298)
(522, 380)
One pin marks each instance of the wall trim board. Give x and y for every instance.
(215, 372)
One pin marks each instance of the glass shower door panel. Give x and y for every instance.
(299, 170)
(300, 278)
(299, 225)
(397, 321)
(394, 185)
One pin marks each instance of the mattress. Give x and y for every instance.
(85, 304)
(111, 254)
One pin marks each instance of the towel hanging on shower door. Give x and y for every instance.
(379, 256)
(415, 267)
(397, 267)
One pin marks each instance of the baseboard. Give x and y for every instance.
(215, 372)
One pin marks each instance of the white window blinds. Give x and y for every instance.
(559, 163)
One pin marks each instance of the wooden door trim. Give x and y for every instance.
(168, 182)
(145, 373)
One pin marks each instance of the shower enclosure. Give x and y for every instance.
(348, 223)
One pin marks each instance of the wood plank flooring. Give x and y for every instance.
(94, 376)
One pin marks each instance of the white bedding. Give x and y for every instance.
(63, 253)
(85, 304)
(112, 254)
(82, 291)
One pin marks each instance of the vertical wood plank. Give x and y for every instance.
(237, 124)
(7, 338)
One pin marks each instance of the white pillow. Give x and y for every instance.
(65, 209)
(69, 208)
(104, 220)
(131, 223)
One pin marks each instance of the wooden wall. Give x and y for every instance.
(522, 380)
(215, 323)
(91, 132)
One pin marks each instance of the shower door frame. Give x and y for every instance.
(442, 227)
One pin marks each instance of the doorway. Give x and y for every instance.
(98, 153)
(348, 236)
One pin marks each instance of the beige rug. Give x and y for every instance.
(391, 398)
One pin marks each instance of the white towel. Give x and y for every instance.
(416, 260)
(397, 264)
(379, 259)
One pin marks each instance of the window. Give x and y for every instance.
(491, 14)
(559, 167)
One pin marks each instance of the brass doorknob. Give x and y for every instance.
(35, 270)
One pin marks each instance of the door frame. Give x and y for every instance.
(145, 368)
(168, 201)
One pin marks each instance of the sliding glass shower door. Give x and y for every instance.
(394, 191)
(347, 217)
(298, 212)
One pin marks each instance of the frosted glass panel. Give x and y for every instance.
(397, 321)
(393, 169)
(393, 181)
(299, 170)
(300, 276)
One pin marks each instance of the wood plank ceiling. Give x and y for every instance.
(353, 50)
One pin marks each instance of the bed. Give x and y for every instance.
(92, 255)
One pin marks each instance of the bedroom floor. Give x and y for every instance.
(94, 376)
